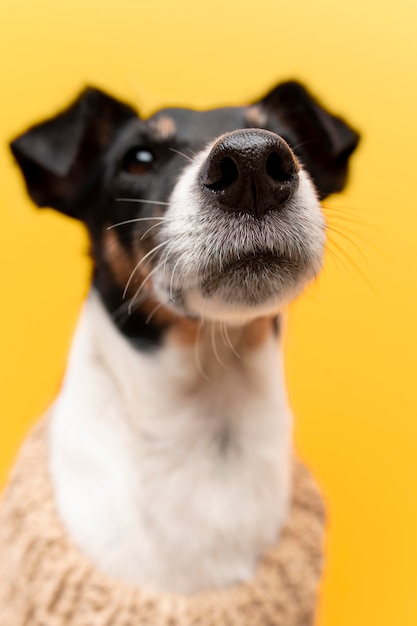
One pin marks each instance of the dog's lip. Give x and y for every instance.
(255, 262)
(257, 259)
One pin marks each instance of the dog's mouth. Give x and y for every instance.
(253, 278)
(240, 268)
(238, 286)
(254, 267)
(254, 262)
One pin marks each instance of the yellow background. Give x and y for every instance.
(352, 342)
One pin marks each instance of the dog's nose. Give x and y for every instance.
(251, 171)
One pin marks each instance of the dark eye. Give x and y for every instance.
(138, 161)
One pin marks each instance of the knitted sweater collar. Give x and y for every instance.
(46, 581)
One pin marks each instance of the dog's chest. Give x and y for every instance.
(165, 478)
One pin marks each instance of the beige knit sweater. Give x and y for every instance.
(46, 581)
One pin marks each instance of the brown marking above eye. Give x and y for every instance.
(256, 117)
(162, 128)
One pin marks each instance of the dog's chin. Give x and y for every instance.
(245, 289)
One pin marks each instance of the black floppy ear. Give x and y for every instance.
(324, 142)
(59, 156)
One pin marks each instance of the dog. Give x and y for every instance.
(170, 440)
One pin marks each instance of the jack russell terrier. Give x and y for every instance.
(170, 441)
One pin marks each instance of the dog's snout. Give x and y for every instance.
(250, 170)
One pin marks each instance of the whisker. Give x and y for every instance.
(142, 260)
(357, 210)
(356, 267)
(171, 284)
(197, 352)
(117, 313)
(151, 228)
(152, 313)
(366, 240)
(214, 346)
(141, 286)
(142, 201)
(353, 243)
(182, 154)
(222, 325)
(139, 219)
(164, 259)
(123, 310)
(347, 217)
(303, 143)
(229, 341)
(336, 258)
(133, 300)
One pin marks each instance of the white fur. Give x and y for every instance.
(171, 470)
(172, 467)
(203, 238)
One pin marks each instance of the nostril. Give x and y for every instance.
(224, 175)
(278, 168)
(249, 171)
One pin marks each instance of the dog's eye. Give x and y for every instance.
(138, 161)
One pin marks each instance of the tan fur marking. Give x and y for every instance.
(184, 332)
(116, 258)
(255, 334)
(247, 338)
(255, 116)
(121, 264)
(161, 316)
(163, 127)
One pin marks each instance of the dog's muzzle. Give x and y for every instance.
(250, 171)
(244, 229)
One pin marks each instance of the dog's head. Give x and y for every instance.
(211, 214)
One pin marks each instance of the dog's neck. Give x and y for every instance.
(196, 359)
(193, 435)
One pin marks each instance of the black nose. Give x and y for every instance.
(250, 170)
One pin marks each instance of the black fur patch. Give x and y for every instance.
(80, 162)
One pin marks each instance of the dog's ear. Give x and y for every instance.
(324, 142)
(59, 156)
